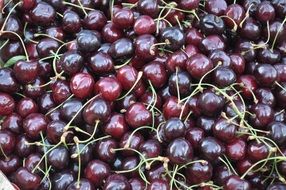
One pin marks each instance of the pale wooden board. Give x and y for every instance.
(5, 183)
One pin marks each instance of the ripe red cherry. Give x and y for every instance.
(235, 12)
(10, 164)
(199, 172)
(173, 128)
(55, 130)
(26, 106)
(82, 184)
(236, 149)
(96, 171)
(180, 151)
(257, 151)
(144, 25)
(104, 150)
(34, 124)
(150, 148)
(158, 184)
(211, 148)
(176, 60)
(134, 143)
(26, 71)
(235, 183)
(248, 84)
(262, 115)
(194, 136)
(27, 180)
(13, 122)
(138, 115)
(111, 33)
(116, 126)
(156, 73)
(117, 180)
(7, 142)
(127, 76)
(101, 63)
(123, 18)
(144, 47)
(172, 108)
(216, 7)
(95, 20)
(82, 85)
(109, 88)
(224, 130)
(60, 91)
(7, 104)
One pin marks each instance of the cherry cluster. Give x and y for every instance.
(143, 94)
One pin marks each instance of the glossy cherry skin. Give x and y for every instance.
(199, 172)
(211, 43)
(280, 95)
(180, 151)
(13, 25)
(257, 151)
(88, 41)
(138, 115)
(85, 153)
(26, 71)
(137, 184)
(34, 124)
(224, 130)
(95, 20)
(98, 109)
(198, 65)
(250, 29)
(71, 22)
(235, 183)
(55, 32)
(151, 148)
(180, 81)
(116, 126)
(55, 130)
(276, 185)
(110, 33)
(212, 24)
(265, 74)
(221, 174)
(7, 104)
(10, 164)
(22, 148)
(176, 60)
(265, 12)
(96, 171)
(173, 37)
(81, 185)
(224, 76)
(58, 158)
(156, 73)
(60, 91)
(121, 48)
(144, 25)
(265, 96)
(104, 150)
(237, 63)
(117, 181)
(27, 180)
(7, 142)
(235, 12)
(145, 47)
(43, 14)
(277, 132)
(173, 128)
(158, 184)
(216, 7)
(148, 7)
(82, 85)
(172, 108)
(248, 84)
(26, 106)
(13, 123)
(101, 63)
(263, 115)
(71, 62)
(194, 136)
(8, 81)
(46, 46)
(123, 18)
(109, 88)
(211, 148)
(62, 179)
(134, 143)
(236, 150)
(69, 108)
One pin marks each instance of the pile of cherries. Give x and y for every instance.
(143, 94)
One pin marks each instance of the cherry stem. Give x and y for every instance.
(234, 29)
(57, 107)
(122, 65)
(276, 36)
(93, 133)
(76, 140)
(133, 132)
(77, 6)
(46, 35)
(228, 164)
(4, 44)
(246, 15)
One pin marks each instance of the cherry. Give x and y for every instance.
(224, 130)
(131, 141)
(43, 14)
(117, 181)
(10, 164)
(46, 102)
(216, 7)
(236, 150)
(83, 152)
(193, 36)
(212, 24)
(148, 99)
(144, 25)
(269, 56)
(198, 65)
(14, 25)
(32, 161)
(26, 71)
(13, 123)
(55, 32)
(237, 63)
(62, 179)
(7, 142)
(138, 115)
(7, 104)
(116, 126)
(95, 20)
(8, 81)
(199, 172)
(88, 41)
(71, 62)
(130, 163)
(23, 148)
(250, 29)
(70, 108)
(257, 151)
(173, 37)
(189, 4)
(158, 184)
(81, 85)
(110, 33)
(46, 46)
(145, 47)
(276, 185)
(82, 184)
(172, 108)
(279, 8)
(224, 76)
(211, 43)
(180, 82)
(26, 106)
(221, 174)
(265, 12)
(245, 48)
(280, 95)
(109, 88)
(55, 130)
(156, 73)
(173, 128)
(123, 18)
(277, 132)
(180, 151)
(265, 74)
(243, 165)
(262, 115)
(235, 12)
(34, 124)
(211, 148)
(97, 110)
(71, 22)
(27, 180)
(101, 63)
(96, 171)
(148, 7)
(265, 96)
(235, 183)
(137, 184)
(58, 158)
(248, 84)
(104, 150)
(194, 136)
(121, 48)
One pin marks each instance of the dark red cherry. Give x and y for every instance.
(173, 128)
(8, 82)
(138, 115)
(176, 60)
(236, 149)
(144, 25)
(81, 85)
(47, 46)
(148, 99)
(123, 18)
(43, 14)
(158, 184)
(58, 158)
(116, 126)
(35, 89)
(32, 161)
(46, 102)
(71, 22)
(26, 71)
(26, 106)
(211, 43)
(88, 40)
(212, 24)
(7, 142)
(243, 165)
(145, 47)
(13, 24)
(55, 32)
(137, 184)
(224, 76)
(262, 115)
(265, 12)
(199, 172)
(95, 20)
(98, 109)
(71, 62)
(109, 88)
(129, 164)
(236, 183)
(117, 181)
(84, 151)
(248, 84)
(121, 48)
(265, 96)
(60, 91)
(96, 171)
(194, 136)
(245, 48)
(12, 122)
(235, 12)
(9, 164)
(237, 63)
(280, 95)
(180, 82)
(276, 185)
(224, 130)
(7, 104)
(173, 37)
(211, 148)
(156, 73)
(134, 143)
(180, 151)
(269, 56)
(82, 184)
(265, 74)
(27, 180)
(11, 49)
(279, 6)
(189, 4)
(217, 7)
(150, 148)
(148, 7)
(220, 57)
(34, 124)
(54, 131)
(23, 148)
(193, 36)
(221, 174)
(101, 63)
(198, 65)
(104, 150)
(277, 132)
(172, 108)
(110, 33)
(61, 180)
(257, 151)
(250, 29)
